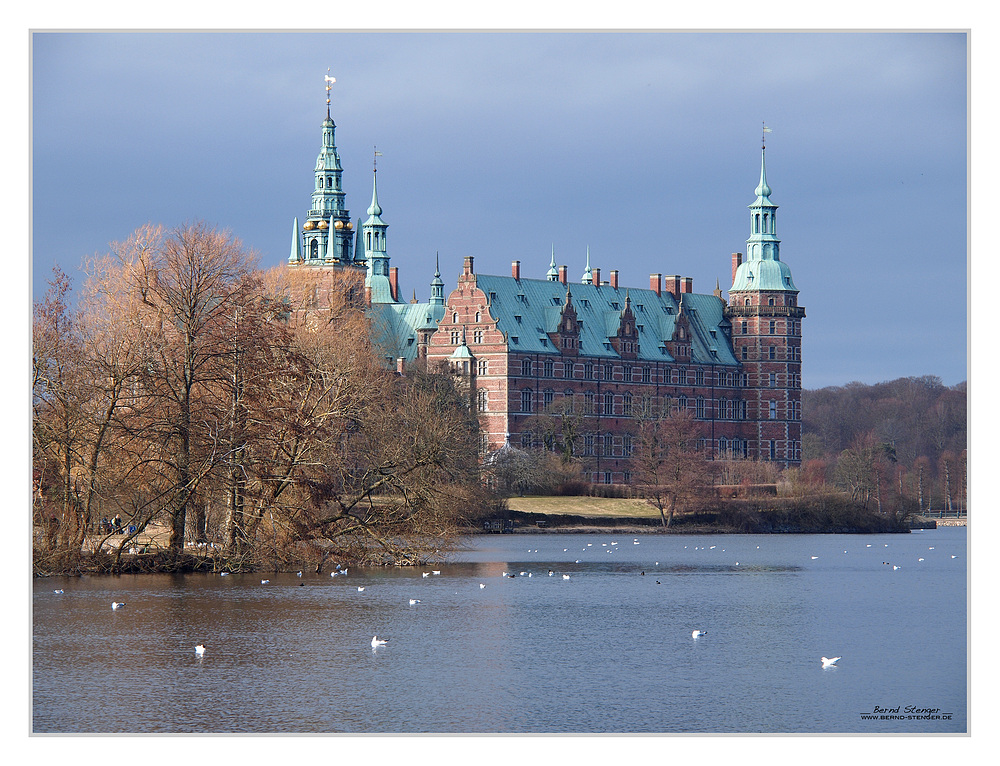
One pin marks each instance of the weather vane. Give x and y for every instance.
(329, 82)
(763, 134)
(375, 159)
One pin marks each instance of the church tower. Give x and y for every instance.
(766, 327)
(326, 237)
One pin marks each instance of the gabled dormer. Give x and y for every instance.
(679, 343)
(626, 341)
(566, 336)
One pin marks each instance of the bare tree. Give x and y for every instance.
(670, 469)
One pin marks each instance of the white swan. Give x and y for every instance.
(117, 605)
(829, 662)
(565, 577)
(361, 588)
(698, 633)
(264, 582)
(414, 601)
(376, 641)
(200, 650)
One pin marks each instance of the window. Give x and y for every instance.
(645, 375)
(454, 318)
(588, 402)
(526, 398)
(771, 449)
(609, 404)
(743, 328)
(699, 407)
(526, 440)
(588, 370)
(682, 403)
(568, 394)
(481, 400)
(477, 336)
(548, 368)
(627, 445)
(771, 327)
(547, 396)
(455, 337)
(771, 352)
(609, 447)
(526, 367)
(699, 377)
(588, 444)
(627, 404)
(772, 410)
(482, 366)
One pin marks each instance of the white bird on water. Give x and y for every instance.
(200, 650)
(264, 582)
(376, 641)
(117, 605)
(482, 585)
(361, 588)
(58, 591)
(829, 662)
(436, 572)
(565, 577)
(414, 601)
(698, 633)
(427, 574)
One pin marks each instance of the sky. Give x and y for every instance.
(642, 146)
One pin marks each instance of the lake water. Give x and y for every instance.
(607, 650)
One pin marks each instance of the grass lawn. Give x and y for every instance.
(584, 506)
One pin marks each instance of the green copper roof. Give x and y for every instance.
(527, 309)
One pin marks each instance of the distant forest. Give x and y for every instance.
(919, 422)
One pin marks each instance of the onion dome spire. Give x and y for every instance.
(553, 273)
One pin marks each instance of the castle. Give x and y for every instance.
(529, 351)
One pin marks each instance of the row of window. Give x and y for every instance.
(604, 371)
(791, 327)
(609, 445)
(793, 353)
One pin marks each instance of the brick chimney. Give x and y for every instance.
(394, 282)
(672, 284)
(400, 364)
(614, 278)
(687, 284)
(562, 274)
(515, 269)
(654, 283)
(737, 260)
(467, 265)
(597, 277)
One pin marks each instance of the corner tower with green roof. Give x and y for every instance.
(766, 330)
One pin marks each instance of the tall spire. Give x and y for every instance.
(328, 230)
(373, 234)
(553, 273)
(437, 284)
(588, 274)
